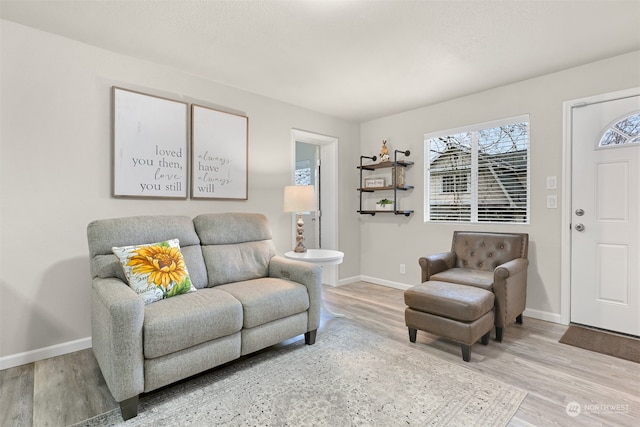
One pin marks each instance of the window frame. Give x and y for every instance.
(472, 175)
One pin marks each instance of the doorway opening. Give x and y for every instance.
(315, 162)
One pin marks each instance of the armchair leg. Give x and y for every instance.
(498, 334)
(129, 408)
(310, 337)
(412, 334)
(519, 319)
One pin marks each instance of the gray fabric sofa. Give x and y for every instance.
(246, 299)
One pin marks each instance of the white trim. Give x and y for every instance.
(387, 283)
(479, 126)
(567, 123)
(544, 315)
(14, 360)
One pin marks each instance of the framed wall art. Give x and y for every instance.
(219, 143)
(150, 145)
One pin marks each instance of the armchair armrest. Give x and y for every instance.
(305, 273)
(510, 288)
(116, 324)
(437, 263)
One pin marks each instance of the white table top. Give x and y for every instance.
(318, 256)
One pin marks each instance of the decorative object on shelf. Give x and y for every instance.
(396, 183)
(384, 205)
(299, 199)
(373, 182)
(384, 152)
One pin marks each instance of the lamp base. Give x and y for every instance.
(299, 237)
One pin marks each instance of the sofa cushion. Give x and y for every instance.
(465, 276)
(237, 262)
(235, 246)
(104, 234)
(187, 320)
(156, 270)
(267, 299)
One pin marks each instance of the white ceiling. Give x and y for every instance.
(356, 60)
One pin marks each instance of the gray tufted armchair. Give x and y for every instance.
(493, 261)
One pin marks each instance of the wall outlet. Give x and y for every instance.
(552, 201)
(403, 270)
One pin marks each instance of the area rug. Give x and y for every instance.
(604, 342)
(350, 377)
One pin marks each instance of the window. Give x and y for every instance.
(478, 174)
(625, 131)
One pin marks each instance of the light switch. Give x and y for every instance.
(552, 202)
(552, 182)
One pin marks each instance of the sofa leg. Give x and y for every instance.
(129, 408)
(466, 352)
(413, 332)
(498, 334)
(310, 337)
(519, 319)
(485, 338)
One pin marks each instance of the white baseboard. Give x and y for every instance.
(14, 360)
(544, 315)
(388, 283)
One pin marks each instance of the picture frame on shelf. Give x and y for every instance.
(373, 182)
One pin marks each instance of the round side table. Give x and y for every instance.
(321, 257)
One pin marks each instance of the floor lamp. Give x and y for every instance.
(299, 199)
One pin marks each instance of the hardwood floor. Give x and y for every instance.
(68, 389)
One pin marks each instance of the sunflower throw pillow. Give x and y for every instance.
(155, 271)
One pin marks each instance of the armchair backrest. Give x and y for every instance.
(484, 251)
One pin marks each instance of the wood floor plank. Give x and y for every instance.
(69, 389)
(16, 396)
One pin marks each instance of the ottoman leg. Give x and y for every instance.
(498, 334)
(519, 319)
(412, 334)
(485, 338)
(466, 352)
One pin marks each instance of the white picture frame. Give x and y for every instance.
(150, 145)
(219, 147)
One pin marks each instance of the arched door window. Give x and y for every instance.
(624, 131)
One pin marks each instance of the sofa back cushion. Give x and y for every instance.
(235, 246)
(104, 234)
(485, 251)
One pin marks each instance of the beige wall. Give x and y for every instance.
(389, 241)
(56, 175)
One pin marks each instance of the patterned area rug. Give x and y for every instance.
(350, 377)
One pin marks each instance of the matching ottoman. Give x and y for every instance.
(458, 312)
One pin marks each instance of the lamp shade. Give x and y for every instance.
(299, 198)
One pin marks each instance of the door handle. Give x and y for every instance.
(579, 227)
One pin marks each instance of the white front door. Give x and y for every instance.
(605, 221)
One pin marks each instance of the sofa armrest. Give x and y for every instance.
(510, 288)
(117, 316)
(437, 263)
(304, 273)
